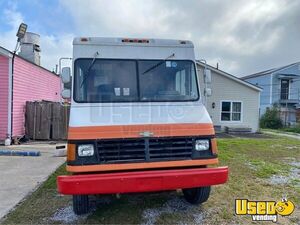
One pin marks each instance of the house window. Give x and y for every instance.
(285, 88)
(231, 111)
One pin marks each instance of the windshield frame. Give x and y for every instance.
(138, 81)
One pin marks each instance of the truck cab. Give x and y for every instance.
(137, 121)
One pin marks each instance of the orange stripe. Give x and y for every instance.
(149, 165)
(133, 131)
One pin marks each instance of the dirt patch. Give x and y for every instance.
(66, 215)
(292, 147)
(198, 218)
(251, 166)
(295, 164)
(291, 178)
(174, 205)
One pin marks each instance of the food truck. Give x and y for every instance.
(137, 121)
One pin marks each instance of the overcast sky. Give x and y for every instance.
(244, 37)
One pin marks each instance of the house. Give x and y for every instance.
(21, 80)
(233, 103)
(281, 86)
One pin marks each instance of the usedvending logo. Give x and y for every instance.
(264, 210)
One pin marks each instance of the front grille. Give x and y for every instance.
(170, 148)
(145, 149)
(125, 150)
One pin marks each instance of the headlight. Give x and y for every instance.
(86, 150)
(202, 145)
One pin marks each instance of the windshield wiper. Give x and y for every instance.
(87, 73)
(158, 64)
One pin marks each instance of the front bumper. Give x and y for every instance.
(141, 181)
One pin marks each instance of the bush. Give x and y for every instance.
(271, 119)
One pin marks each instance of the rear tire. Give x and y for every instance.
(196, 195)
(81, 204)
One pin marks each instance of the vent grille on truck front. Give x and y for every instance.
(179, 148)
(148, 149)
(126, 150)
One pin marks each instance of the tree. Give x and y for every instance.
(271, 119)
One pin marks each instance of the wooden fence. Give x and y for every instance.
(46, 120)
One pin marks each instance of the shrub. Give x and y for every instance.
(271, 119)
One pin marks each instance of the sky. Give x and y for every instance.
(242, 36)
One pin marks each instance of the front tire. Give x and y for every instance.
(81, 204)
(196, 195)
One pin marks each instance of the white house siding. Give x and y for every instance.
(225, 88)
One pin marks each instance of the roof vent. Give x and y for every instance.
(30, 47)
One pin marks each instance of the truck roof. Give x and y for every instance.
(132, 41)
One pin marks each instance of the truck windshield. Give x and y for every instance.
(112, 80)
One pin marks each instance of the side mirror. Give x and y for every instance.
(65, 75)
(66, 93)
(207, 92)
(207, 76)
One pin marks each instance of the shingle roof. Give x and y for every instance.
(268, 71)
(230, 76)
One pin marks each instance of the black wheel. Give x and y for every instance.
(196, 195)
(81, 204)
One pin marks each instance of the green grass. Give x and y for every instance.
(266, 169)
(251, 161)
(292, 129)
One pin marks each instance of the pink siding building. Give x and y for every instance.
(21, 81)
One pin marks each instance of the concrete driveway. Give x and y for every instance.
(19, 175)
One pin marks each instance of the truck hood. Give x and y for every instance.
(98, 121)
